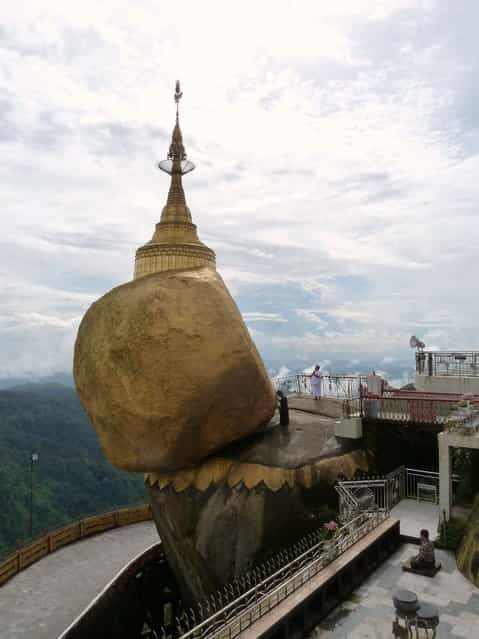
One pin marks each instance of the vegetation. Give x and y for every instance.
(71, 478)
(466, 465)
(450, 534)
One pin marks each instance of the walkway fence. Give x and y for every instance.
(412, 406)
(448, 363)
(51, 541)
(391, 405)
(244, 601)
(383, 493)
(333, 386)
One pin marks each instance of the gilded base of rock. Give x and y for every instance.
(237, 509)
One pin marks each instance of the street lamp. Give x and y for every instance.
(33, 459)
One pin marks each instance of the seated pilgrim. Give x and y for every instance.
(425, 558)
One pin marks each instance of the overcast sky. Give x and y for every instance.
(337, 176)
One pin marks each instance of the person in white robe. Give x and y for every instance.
(316, 383)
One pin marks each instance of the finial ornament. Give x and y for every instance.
(178, 96)
(175, 243)
(176, 161)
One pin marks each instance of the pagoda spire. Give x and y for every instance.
(175, 243)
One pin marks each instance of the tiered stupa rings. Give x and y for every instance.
(175, 243)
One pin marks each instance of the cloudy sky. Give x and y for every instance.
(337, 177)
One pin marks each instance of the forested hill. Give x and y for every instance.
(71, 478)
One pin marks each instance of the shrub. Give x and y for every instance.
(450, 534)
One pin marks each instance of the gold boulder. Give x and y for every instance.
(167, 371)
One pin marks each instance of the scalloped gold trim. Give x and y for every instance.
(221, 470)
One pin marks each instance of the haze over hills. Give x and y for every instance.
(71, 479)
(66, 379)
(397, 371)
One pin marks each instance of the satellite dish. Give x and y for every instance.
(414, 342)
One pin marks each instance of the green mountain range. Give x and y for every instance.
(71, 478)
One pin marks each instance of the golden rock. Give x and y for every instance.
(167, 371)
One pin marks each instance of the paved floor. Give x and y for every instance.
(45, 598)
(368, 613)
(415, 515)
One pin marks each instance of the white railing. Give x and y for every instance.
(402, 483)
(368, 495)
(241, 613)
(332, 386)
(349, 506)
(422, 485)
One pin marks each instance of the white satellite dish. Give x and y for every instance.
(414, 342)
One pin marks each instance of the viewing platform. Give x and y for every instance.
(368, 612)
(447, 371)
(45, 598)
(315, 592)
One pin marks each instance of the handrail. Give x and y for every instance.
(401, 483)
(448, 363)
(71, 532)
(337, 386)
(413, 407)
(305, 565)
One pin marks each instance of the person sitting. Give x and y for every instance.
(425, 558)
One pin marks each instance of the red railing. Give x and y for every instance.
(413, 406)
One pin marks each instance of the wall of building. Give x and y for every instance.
(446, 384)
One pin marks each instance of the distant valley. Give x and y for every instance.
(71, 478)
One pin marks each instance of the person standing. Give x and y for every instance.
(316, 383)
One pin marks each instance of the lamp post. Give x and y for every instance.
(33, 459)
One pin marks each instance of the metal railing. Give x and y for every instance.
(414, 478)
(391, 405)
(264, 593)
(333, 386)
(349, 506)
(71, 532)
(369, 495)
(387, 491)
(448, 363)
(412, 406)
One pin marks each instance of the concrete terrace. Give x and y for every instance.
(43, 600)
(415, 515)
(368, 613)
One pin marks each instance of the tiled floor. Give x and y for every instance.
(369, 612)
(415, 515)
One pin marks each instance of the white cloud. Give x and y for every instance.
(312, 316)
(263, 317)
(337, 150)
(283, 371)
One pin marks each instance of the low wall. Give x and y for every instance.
(447, 384)
(118, 610)
(298, 614)
(327, 406)
(349, 428)
(68, 534)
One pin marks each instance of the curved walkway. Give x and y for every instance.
(45, 598)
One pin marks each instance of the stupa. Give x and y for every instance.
(175, 388)
(175, 243)
(165, 365)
